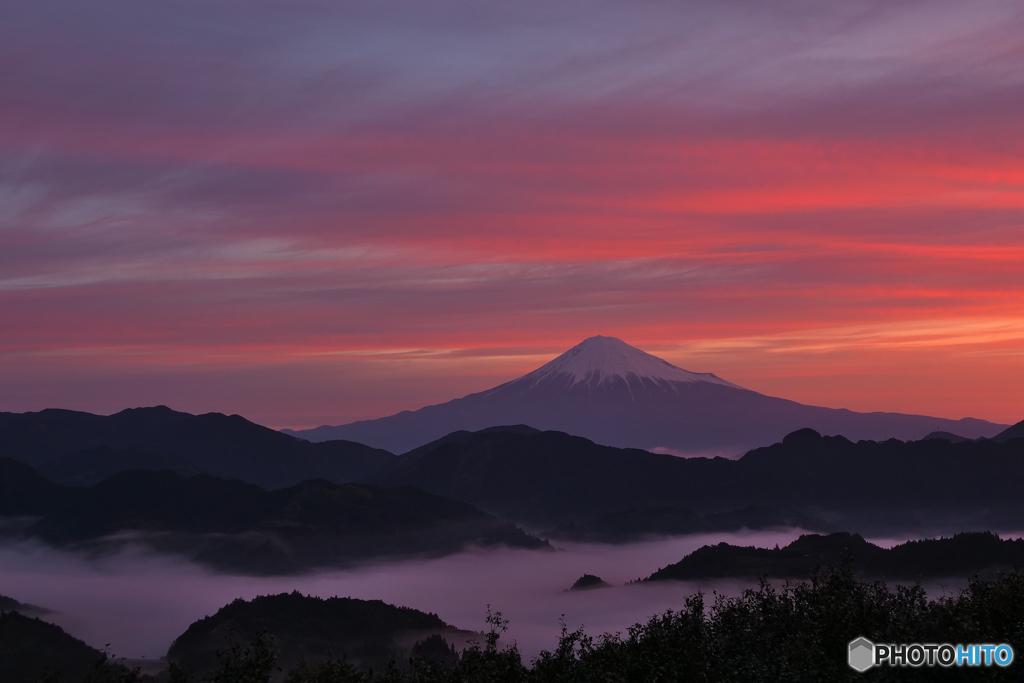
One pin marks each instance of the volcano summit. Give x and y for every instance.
(617, 395)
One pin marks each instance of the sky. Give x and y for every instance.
(313, 212)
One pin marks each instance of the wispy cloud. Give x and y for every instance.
(400, 193)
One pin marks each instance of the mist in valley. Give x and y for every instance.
(137, 602)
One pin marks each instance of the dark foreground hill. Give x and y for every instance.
(367, 633)
(81, 448)
(235, 526)
(554, 479)
(963, 555)
(34, 650)
(800, 632)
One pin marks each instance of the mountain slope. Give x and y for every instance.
(617, 395)
(963, 555)
(34, 650)
(82, 448)
(310, 629)
(89, 467)
(24, 493)
(552, 478)
(1014, 432)
(233, 525)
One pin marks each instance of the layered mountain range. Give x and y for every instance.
(564, 485)
(575, 488)
(81, 449)
(235, 526)
(617, 395)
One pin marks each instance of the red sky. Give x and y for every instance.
(317, 212)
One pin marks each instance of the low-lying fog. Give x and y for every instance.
(138, 603)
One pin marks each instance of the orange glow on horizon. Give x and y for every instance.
(349, 235)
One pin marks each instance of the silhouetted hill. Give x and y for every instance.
(82, 448)
(365, 632)
(11, 605)
(1014, 432)
(963, 555)
(23, 492)
(952, 438)
(535, 476)
(810, 469)
(92, 466)
(588, 582)
(554, 479)
(31, 648)
(233, 525)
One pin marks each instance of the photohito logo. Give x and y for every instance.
(863, 654)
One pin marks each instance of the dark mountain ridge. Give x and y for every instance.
(1014, 432)
(82, 448)
(963, 555)
(614, 394)
(24, 493)
(89, 467)
(236, 526)
(551, 478)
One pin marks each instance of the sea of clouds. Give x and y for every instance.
(136, 603)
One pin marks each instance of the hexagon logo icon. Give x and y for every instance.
(862, 654)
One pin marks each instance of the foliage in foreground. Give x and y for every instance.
(795, 633)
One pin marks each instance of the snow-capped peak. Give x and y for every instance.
(600, 359)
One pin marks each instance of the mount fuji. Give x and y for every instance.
(617, 395)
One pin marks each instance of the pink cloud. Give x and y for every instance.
(241, 204)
